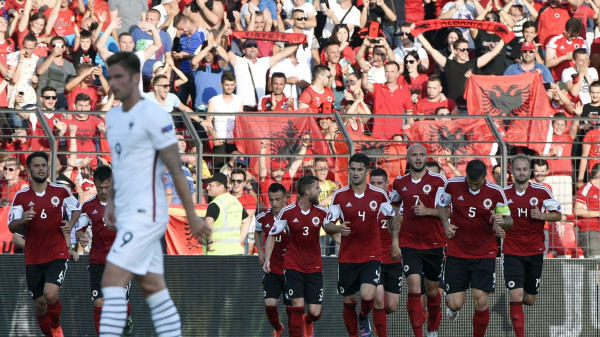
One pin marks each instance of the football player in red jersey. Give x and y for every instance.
(92, 213)
(273, 282)
(531, 205)
(478, 211)
(39, 209)
(303, 268)
(359, 205)
(421, 238)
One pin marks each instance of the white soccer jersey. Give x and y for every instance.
(135, 137)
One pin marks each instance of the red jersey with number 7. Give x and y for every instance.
(92, 213)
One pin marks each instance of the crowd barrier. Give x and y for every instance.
(222, 296)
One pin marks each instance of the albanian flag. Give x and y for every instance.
(385, 154)
(459, 137)
(285, 134)
(179, 237)
(520, 95)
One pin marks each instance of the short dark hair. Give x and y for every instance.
(180, 18)
(528, 24)
(435, 164)
(158, 78)
(227, 76)
(435, 78)
(379, 172)
(360, 158)
(459, 41)
(304, 184)
(102, 174)
(239, 171)
(579, 51)
(127, 60)
(278, 74)
(539, 162)
(595, 171)
(36, 154)
(82, 97)
(30, 38)
(47, 88)
(297, 10)
(85, 34)
(475, 169)
(394, 63)
(320, 160)
(573, 26)
(276, 187)
(595, 84)
(318, 70)
(124, 34)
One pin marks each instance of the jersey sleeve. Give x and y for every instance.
(259, 221)
(82, 222)
(305, 97)
(160, 128)
(550, 204)
(16, 210)
(278, 227)
(71, 202)
(502, 205)
(442, 198)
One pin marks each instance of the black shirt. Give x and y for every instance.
(484, 43)
(455, 75)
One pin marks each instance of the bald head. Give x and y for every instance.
(416, 147)
(416, 156)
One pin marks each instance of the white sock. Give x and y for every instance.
(114, 312)
(164, 314)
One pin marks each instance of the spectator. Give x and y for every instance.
(54, 71)
(276, 101)
(83, 49)
(485, 41)
(191, 39)
(449, 51)
(341, 36)
(319, 92)
(206, 14)
(529, 64)
(84, 82)
(529, 35)
(23, 64)
(36, 25)
(579, 77)
(143, 40)
(354, 103)
(167, 69)
(583, 10)
(408, 44)
(587, 210)
(252, 71)
(130, 13)
(581, 127)
(310, 54)
(168, 9)
(461, 9)
(434, 99)
(39, 142)
(309, 11)
(60, 18)
(390, 98)
(239, 184)
(381, 54)
(7, 45)
(559, 50)
(221, 128)
(258, 23)
(559, 99)
(380, 11)
(249, 9)
(163, 97)
(338, 11)
(298, 76)
(590, 154)
(208, 66)
(172, 196)
(339, 68)
(515, 9)
(12, 182)
(327, 186)
(551, 20)
(458, 70)
(414, 76)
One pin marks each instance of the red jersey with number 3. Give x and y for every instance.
(44, 239)
(303, 249)
(420, 232)
(363, 243)
(264, 223)
(526, 237)
(471, 212)
(92, 213)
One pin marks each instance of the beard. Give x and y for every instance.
(39, 180)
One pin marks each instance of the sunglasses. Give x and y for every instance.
(50, 97)
(9, 169)
(301, 18)
(528, 51)
(251, 45)
(462, 49)
(404, 33)
(164, 85)
(490, 19)
(236, 181)
(411, 61)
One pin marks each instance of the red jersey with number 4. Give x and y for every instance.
(92, 213)
(526, 237)
(363, 243)
(420, 232)
(471, 212)
(264, 223)
(44, 239)
(303, 249)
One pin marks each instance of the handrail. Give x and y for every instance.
(51, 141)
(503, 148)
(346, 136)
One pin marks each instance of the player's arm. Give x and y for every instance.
(268, 251)
(442, 201)
(501, 216)
(244, 229)
(259, 246)
(18, 218)
(552, 211)
(329, 223)
(394, 228)
(18, 241)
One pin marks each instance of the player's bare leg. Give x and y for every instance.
(47, 310)
(481, 318)
(434, 300)
(454, 303)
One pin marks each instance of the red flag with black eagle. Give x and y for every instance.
(520, 95)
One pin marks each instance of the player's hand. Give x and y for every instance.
(29, 214)
(500, 232)
(109, 216)
(267, 266)
(451, 231)
(199, 227)
(261, 257)
(497, 219)
(536, 214)
(84, 240)
(74, 254)
(210, 247)
(344, 229)
(395, 252)
(420, 209)
(66, 228)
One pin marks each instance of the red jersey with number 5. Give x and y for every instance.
(264, 223)
(526, 237)
(303, 249)
(420, 232)
(44, 239)
(92, 213)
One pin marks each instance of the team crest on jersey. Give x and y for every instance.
(577, 46)
(511, 284)
(330, 99)
(487, 203)
(373, 205)
(556, 15)
(315, 221)
(427, 189)
(54, 201)
(533, 201)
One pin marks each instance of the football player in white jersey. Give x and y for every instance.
(142, 141)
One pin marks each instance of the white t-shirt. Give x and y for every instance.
(353, 18)
(244, 81)
(302, 71)
(135, 137)
(309, 11)
(376, 75)
(584, 93)
(224, 125)
(142, 57)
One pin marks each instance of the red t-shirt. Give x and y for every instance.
(92, 213)
(64, 23)
(264, 223)
(561, 166)
(265, 102)
(589, 195)
(248, 202)
(387, 102)
(414, 10)
(420, 232)
(8, 192)
(471, 213)
(418, 85)
(44, 239)
(265, 48)
(13, 4)
(426, 107)
(551, 22)
(41, 49)
(562, 47)
(363, 243)
(526, 237)
(314, 99)
(583, 13)
(264, 186)
(87, 129)
(90, 91)
(40, 142)
(303, 249)
(593, 138)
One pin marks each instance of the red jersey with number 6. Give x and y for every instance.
(264, 223)
(92, 213)
(303, 249)
(45, 241)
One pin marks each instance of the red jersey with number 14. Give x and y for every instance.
(264, 223)
(526, 237)
(92, 213)
(303, 249)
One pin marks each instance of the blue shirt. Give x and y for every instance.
(143, 40)
(208, 84)
(190, 44)
(516, 69)
(168, 182)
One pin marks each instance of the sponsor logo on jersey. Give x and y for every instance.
(460, 198)
(348, 204)
(30, 204)
(94, 212)
(295, 220)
